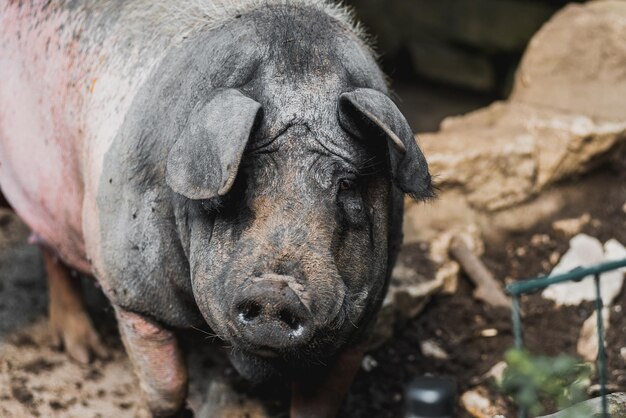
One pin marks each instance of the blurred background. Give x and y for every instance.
(447, 57)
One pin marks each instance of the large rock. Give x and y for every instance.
(566, 116)
(503, 154)
(576, 63)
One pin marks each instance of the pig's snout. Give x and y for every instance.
(269, 315)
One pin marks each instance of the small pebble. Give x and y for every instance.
(571, 226)
(431, 349)
(554, 257)
(539, 239)
(477, 404)
(497, 372)
(368, 363)
(489, 332)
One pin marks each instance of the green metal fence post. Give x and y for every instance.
(516, 318)
(601, 349)
(517, 323)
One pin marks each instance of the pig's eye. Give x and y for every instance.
(346, 185)
(349, 201)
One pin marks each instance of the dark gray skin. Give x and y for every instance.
(256, 185)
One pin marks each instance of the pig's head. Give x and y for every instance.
(288, 237)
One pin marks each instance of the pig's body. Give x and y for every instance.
(69, 74)
(230, 164)
(70, 71)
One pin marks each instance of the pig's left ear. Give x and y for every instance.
(370, 114)
(203, 162)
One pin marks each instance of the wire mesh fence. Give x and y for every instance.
(517, 289)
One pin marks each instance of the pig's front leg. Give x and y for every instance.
(158, 363)
(321, 397)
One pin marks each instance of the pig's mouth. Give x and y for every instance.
(312, 349)
(258, 368)
(265, 353)
(259, 364)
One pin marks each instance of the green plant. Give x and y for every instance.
(532, 380)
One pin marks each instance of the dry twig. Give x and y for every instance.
(487, 288)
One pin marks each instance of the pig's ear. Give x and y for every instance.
(203, 162)
(369, 115)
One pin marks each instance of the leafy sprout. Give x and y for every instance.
(532, 380)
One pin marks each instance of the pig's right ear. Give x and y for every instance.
(203, 162)
(368, 113)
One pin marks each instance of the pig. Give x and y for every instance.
(237, 163)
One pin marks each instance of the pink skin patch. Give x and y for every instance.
(65, 91)
(40, 142)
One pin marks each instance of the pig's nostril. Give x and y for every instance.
(248, 311)
(286, 316)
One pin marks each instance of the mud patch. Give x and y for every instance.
(21, 393)
(38, 366)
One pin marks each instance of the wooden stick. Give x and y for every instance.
(487, 288)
